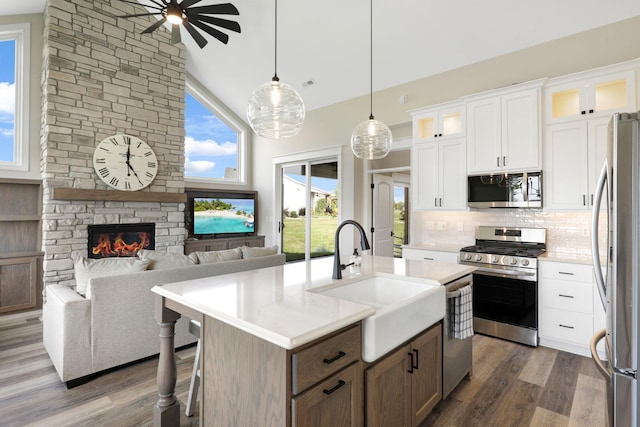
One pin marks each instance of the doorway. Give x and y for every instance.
(309, 209)
(390, 213)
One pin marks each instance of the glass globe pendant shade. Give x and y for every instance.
(275, 110)
(371, 139)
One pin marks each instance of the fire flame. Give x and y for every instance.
(119, 248)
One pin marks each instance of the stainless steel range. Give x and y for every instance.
(505, 284)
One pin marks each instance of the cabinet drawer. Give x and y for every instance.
(566, 326)
(563, 271)
(568, 296)
(314, 363)
(438, 256)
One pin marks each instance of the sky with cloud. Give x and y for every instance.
(210, 145)
(7, 99)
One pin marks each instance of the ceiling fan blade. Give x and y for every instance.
(216, 9)
(138, 4)
(175, 34)
(202, 42)
(188, 3)
(218, 22)
(139, 14)
(155, 25)
(162, 5)
(212, 31)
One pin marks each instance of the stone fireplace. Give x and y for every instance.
(120, 240)
(101, 77)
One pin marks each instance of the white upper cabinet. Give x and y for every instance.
(591, 94)
(503, 129)
(438, 175)
(438, 122)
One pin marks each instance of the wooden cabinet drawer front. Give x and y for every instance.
(325, 358)
(568, 296)
(336, 401)
(562, 271)
(567, 326)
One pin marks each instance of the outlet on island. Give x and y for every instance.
(441, 225)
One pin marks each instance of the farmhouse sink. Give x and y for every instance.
(404, 308)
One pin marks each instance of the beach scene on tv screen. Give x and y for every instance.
(219, 216)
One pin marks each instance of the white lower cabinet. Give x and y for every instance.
(567, 310)
(429, 255)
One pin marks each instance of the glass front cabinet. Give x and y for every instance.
(593, 94)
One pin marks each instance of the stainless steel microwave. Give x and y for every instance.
(506, 190)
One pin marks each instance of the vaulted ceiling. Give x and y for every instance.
(327, 42)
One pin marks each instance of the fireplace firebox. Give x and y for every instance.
(120, 240)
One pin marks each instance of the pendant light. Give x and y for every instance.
(275, 110)
(371, 139)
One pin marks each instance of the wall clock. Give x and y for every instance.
(125, 162)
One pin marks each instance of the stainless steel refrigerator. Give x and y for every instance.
(618, 192)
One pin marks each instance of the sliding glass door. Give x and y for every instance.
(309, 208)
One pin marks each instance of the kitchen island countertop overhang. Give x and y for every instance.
(279, 304)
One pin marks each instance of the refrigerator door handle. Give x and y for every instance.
(597, 267)
(599, 336)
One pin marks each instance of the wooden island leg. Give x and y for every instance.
(166, 411)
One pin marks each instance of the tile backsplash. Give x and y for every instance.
(567, 232)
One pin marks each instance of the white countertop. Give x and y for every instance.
(571, 258)
(273, 303)
(441, 247)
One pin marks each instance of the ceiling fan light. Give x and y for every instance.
(275, 110)
(174, 18)
(371, 140)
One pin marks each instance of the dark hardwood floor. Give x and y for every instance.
(512, 385)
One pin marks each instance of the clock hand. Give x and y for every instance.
(134, 172)
(129, 164)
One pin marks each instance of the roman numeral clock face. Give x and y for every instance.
(125, 162)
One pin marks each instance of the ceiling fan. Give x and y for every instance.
(183, 13)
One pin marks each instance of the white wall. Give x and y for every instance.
(333, 125)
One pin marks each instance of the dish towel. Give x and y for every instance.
(461, 314)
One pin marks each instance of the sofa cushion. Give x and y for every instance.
(217, 256)
(251, 252)
(161, 260)
(86, 269)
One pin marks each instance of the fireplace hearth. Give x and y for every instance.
(120, 240)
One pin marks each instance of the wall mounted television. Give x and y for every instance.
(218, 214)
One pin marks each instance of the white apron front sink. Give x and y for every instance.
(404, 308)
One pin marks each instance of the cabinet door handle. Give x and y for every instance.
(583, 112)
(334, 388)
(428, 259)
(336, 357)
(440, 201)
(591, 111)
(504, 160)
(498, 161)
(592, 200)
(435, 202)
(565, 326)
(566, 296)
(417, 366)
(410, 363)
(566, 273)
(439, 134)
(584, 200)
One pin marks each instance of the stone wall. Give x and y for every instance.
(101, 77)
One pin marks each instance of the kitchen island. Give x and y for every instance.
(258, 329)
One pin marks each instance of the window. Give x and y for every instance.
(214, 142)
(14, 97)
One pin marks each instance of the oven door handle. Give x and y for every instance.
(505, 273)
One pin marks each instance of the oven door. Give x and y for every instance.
(505, 297)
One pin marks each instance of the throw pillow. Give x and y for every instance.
(250, 252)
(217, 256)
(161, 260)
(86, 269)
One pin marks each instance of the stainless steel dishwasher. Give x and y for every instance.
(456, 353)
